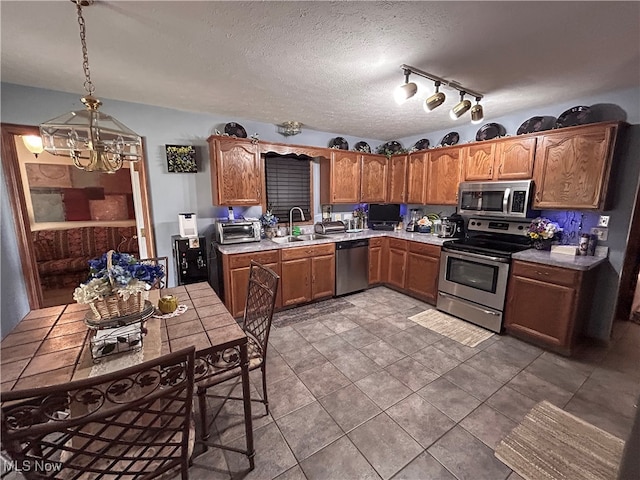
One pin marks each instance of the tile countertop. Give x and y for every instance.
(531, 255)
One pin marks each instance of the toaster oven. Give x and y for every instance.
(237, 231)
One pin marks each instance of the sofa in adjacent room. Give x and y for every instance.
(63, 255)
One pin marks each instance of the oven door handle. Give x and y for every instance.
(488, 312)
(463, 256)
(505, 200)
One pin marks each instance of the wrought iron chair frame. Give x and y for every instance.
(106, 433)
(258, 315)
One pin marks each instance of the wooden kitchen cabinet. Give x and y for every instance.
(572, 167)
(237, 175)
(547, 305)
(423, 268)
(373, 187)
(443, 172)
(236, 277)
(308, 273)
(397, 179)
(417, 177)
(375, 260)
(340, 177)
(396, 262)
(504, 159)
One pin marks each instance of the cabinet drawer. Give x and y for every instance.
(375, 242)
(306, 252)
(424, 249)
(557, 275)
(244, 259)
(397, 244)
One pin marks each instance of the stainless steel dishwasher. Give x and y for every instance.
(352, 266)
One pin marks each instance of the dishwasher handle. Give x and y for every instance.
(352, 244)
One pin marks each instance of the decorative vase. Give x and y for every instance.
(270, 232)
(542, 244)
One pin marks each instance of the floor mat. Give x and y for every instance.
(309, 312)
(451, 327)
(551, 444)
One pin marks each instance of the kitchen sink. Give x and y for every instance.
(312, 236)
(287, 239)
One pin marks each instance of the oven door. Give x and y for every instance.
(478, 278)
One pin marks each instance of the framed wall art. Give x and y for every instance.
(181, 159)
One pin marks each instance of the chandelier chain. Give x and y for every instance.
(88, 84)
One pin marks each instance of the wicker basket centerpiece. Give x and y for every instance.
(117, 286)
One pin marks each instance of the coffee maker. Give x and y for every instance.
(452, 227)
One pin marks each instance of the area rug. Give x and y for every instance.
(451, 327)
(551, 444)
(309, 312)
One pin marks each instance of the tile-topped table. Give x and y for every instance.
(47, 346)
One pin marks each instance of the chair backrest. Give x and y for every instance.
(163, 262)
(261, 300)
(127, 424)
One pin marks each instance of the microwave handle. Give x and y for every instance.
(505, 200)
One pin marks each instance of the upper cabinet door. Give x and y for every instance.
(478, 161)
(236, 174)
(514, 159)
(416, 178)
(345, 176)
(572, 167)
(443, 176)
(397, 179)
(374, 178)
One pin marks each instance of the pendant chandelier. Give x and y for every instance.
(95, 141)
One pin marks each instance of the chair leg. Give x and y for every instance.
(202, 404)
(264, 386)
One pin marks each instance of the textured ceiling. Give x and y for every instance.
(331, 65)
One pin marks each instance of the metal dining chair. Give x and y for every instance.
(258, 313)
(163, 262)
(133, 423)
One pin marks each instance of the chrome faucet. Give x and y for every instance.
(291, 218)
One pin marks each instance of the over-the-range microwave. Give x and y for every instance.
(496, 199)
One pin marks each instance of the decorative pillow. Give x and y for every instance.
(44, 250)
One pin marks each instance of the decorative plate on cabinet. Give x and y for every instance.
(339, 143)
(489, 131)
(389, 148)
(362, 147)
(536, 124)
(235, 130)
(449, 139)
(574, 116)
(421, 144)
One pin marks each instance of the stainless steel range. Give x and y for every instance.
(474, 270)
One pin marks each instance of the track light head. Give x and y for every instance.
(461, 107)
(406, 91)
(477, 113)
(434, 100)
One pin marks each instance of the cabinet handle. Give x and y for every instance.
(500, 169)
(538, 196)
(491, 171)
(546, 274)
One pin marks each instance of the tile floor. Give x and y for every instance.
(360, 391)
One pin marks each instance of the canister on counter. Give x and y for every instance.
(593, 243)
(583, 245)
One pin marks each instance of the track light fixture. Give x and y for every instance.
(436, 99)
(461, 107)
(477, 114)
(408, 90)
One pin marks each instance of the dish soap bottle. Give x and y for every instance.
(231, 216)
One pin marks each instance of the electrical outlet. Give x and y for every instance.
(603, 221)
(601, 232)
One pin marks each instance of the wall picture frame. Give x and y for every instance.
(181, 159)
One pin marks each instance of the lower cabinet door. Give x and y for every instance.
(397, 262)
(296, 281)
(323, 276)
(375, 264)
(422, 276)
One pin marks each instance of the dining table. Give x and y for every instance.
(53, 345)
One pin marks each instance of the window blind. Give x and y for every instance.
(288, 185)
